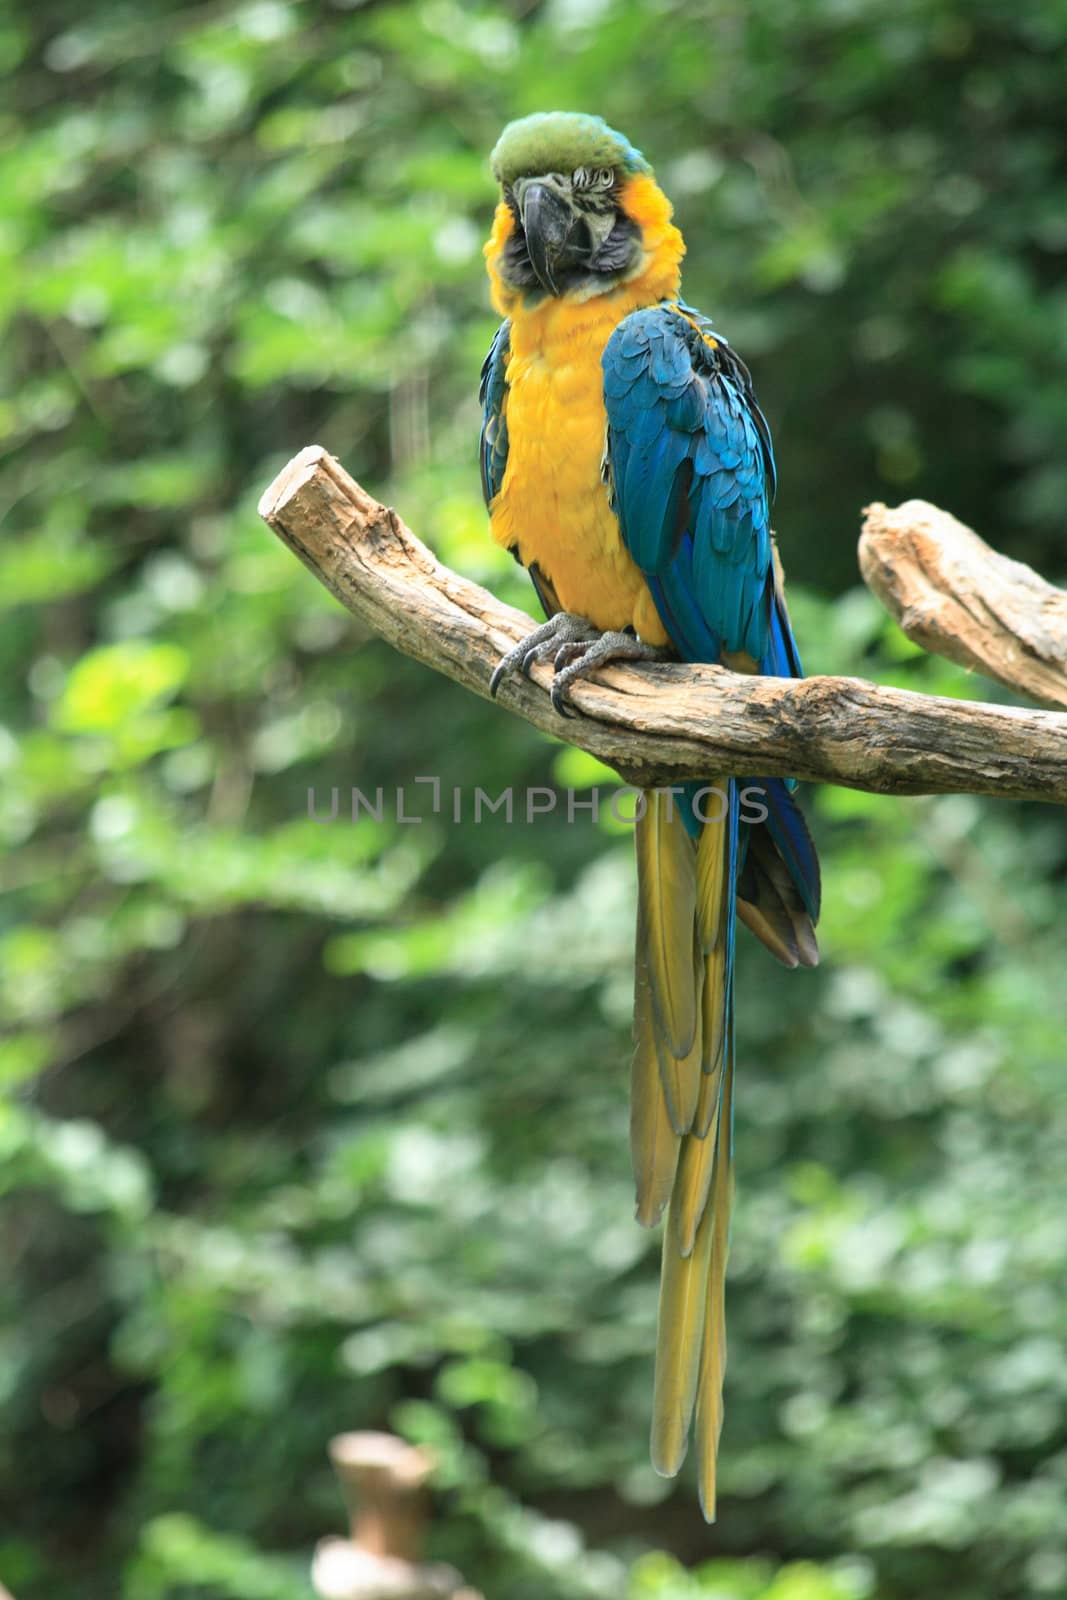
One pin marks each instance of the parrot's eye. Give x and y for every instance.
(592, 178)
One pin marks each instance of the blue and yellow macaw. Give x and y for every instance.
(626, 464)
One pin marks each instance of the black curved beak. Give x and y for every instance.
(547, 222)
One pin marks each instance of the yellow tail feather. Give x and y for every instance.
(666, 889)
(681, 1079)
(696, 1170)
(680, 1122)
(711, 882)
(682, 1307)
(713, 1354)
(713, 1018)
(654, 1144)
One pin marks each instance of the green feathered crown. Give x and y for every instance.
(561, 141)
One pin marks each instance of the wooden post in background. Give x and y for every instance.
(383, 1481)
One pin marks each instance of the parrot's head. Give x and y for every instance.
(580, 212)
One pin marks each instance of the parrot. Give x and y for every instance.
(627, 466)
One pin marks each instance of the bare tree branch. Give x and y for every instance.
(661, 724)
(955, 596)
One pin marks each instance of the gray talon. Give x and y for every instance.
(561, 629)
(568, 653)
(576, 649)
(607, 647)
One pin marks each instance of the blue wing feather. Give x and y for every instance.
(493, 394)
(786, 825)
(676, 401)
(782, 659)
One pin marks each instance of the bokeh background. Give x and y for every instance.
(309, 1127)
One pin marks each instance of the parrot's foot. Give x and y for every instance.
(576, 648)
(575, 660)
(563, 629)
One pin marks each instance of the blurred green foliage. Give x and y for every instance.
(306, 1127)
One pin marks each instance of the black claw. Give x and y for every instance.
(559, 702)
(564, 681)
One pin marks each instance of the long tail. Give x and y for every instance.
(682, 1102)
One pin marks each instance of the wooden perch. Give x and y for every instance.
(955, 596)
(659, 725)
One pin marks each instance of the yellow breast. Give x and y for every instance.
(553, 505)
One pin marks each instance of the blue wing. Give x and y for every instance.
(691, 473)
(493, 394)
